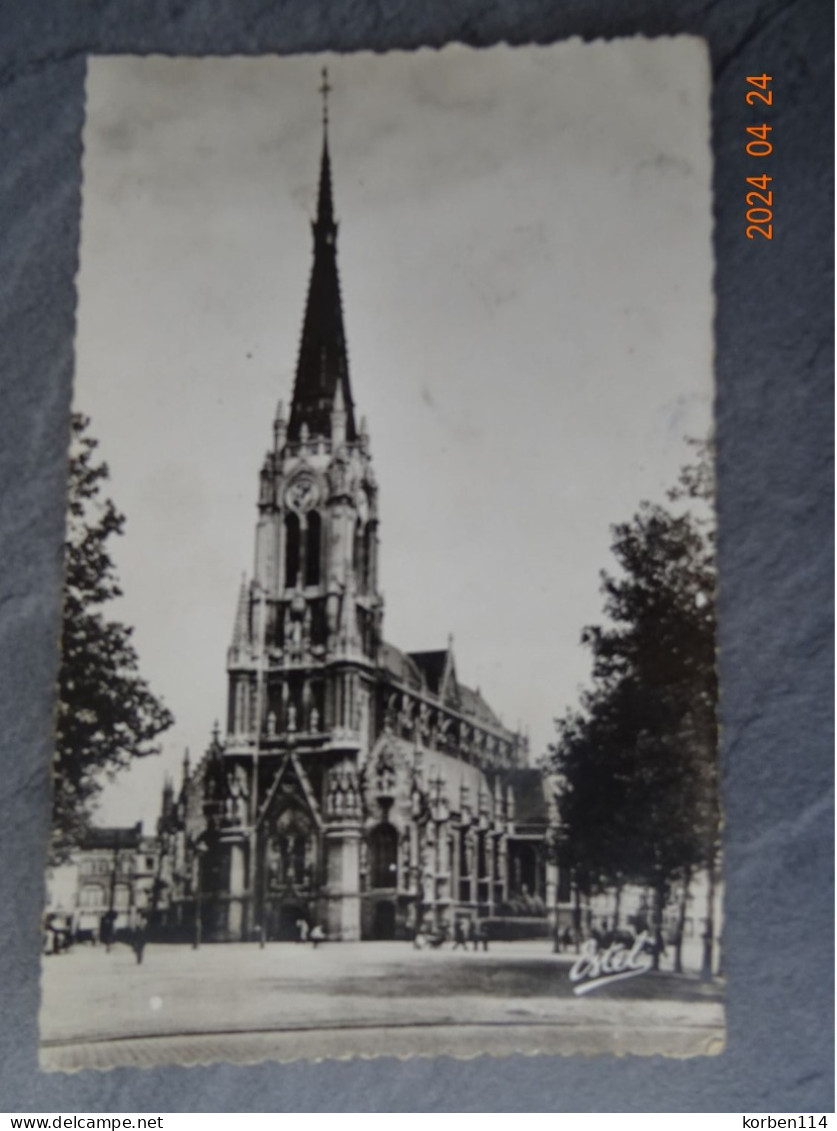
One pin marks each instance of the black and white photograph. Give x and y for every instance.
(387, 696)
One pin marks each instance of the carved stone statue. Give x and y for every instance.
(385, 774)
(237, 795)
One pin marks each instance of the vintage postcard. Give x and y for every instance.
(386, 717)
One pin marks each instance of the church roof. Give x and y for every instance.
(323, 363)
(432, 666)
(531, 810)
(400, 666)
(474, 704)
(425, 671)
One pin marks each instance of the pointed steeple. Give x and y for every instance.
(241, 629)
(323, 363)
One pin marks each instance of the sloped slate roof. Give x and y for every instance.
(400, 666)
(113, 837)
(432, 667)
(423, 671)
(474, 704)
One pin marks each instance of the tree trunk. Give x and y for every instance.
(681, 922)
(659, 904)
(577, 917)
(617, 905)
(709, 928)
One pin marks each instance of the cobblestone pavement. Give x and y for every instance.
(243, 1004)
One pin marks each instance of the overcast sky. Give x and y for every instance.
(525, 261)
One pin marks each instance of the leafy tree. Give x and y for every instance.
(106, 713)
(637, 761)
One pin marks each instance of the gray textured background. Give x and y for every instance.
(774, 411)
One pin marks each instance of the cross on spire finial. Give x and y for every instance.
(325, 90)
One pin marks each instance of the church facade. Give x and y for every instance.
(356, 785)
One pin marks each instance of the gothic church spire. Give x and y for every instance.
(323, 362)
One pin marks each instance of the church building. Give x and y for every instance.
(355, 785)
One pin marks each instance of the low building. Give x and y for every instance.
(116, 872)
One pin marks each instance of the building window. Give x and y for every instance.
(368, 555)
(92, 896)
(465, 867)
(312, 549)
(358, 563)
(482, 857)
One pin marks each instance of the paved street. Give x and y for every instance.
(240, 1003)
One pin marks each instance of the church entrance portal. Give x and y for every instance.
(289, 871)
(384, 924)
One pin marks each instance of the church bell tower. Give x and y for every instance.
(301, 666)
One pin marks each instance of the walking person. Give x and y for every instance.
(139, 937)
(459, 938)
(473, 934)
(316, 935)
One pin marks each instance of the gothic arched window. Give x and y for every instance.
(291, 550)
(482, 857)
(312, 549)
(357, 555)
(383, 856)
(242, 708)
(298, 859)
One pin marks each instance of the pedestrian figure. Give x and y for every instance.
(139, 937)
(316, 935)
(420, 939)
(473, 934)
(302, 930)
(483, 936)
(107, 930)
(459, 938)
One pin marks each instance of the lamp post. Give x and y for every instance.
(200, 851)
(110, 914)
